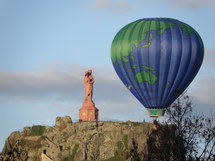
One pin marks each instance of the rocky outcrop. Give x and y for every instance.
(80, 141)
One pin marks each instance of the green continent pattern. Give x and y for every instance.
(145, 76)
(134, 33)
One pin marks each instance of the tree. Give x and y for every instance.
(165, 145)
(196, 131)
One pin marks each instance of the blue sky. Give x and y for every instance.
(46, 45)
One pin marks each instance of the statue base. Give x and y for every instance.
(88, 112)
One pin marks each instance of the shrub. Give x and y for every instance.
(37, 130)
(72, 156)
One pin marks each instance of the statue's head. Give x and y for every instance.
(88, 72)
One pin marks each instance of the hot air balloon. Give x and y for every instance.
(156, 59)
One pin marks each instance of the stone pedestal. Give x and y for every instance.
(88, 112)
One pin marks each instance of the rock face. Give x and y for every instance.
(81, 141)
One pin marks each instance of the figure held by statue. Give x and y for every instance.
(88, 86)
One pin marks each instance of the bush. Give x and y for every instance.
(121, 152)
(72, 156)
(37, 130)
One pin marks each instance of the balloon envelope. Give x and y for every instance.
(156, 59)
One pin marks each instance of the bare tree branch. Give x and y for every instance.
(196, 131)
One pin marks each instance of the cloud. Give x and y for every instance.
(209, 58)
(126, 6)
(194, 3)
(205, 90)
(54, 83)
(37, 86)
(113, 6)
(126, 110)
(202, 89)
(208, 65)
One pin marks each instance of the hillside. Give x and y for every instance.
(80, 141)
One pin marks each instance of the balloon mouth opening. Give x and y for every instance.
(156, 112)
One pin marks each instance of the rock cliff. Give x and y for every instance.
(79, 141)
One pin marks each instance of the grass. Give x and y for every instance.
(37, 130)
(121, 151)
(125, 141)
(72, 156)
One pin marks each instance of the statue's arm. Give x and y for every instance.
(92, 80)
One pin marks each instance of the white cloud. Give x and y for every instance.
(194, 3)
(125, 6)
(209, 58)
(205, 90)
(36, 86)
(113, 6)
(203, 87)
(54, 83)
(130, 109)
(102, 4)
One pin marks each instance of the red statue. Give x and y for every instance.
(88, 111)
(88, 86)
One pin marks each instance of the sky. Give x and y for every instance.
(46, 45)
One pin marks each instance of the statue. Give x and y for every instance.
(88, 86)
(88, 111)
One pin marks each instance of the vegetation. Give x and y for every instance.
(121, 152)
(125, 141)
(196, 131)
(37, 130)
(164, 145)
(183, 136)
(72, 156)
(134, 155)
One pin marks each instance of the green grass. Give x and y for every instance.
(125, 141)
(37, 130)
(121, 151)
(72, 156)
